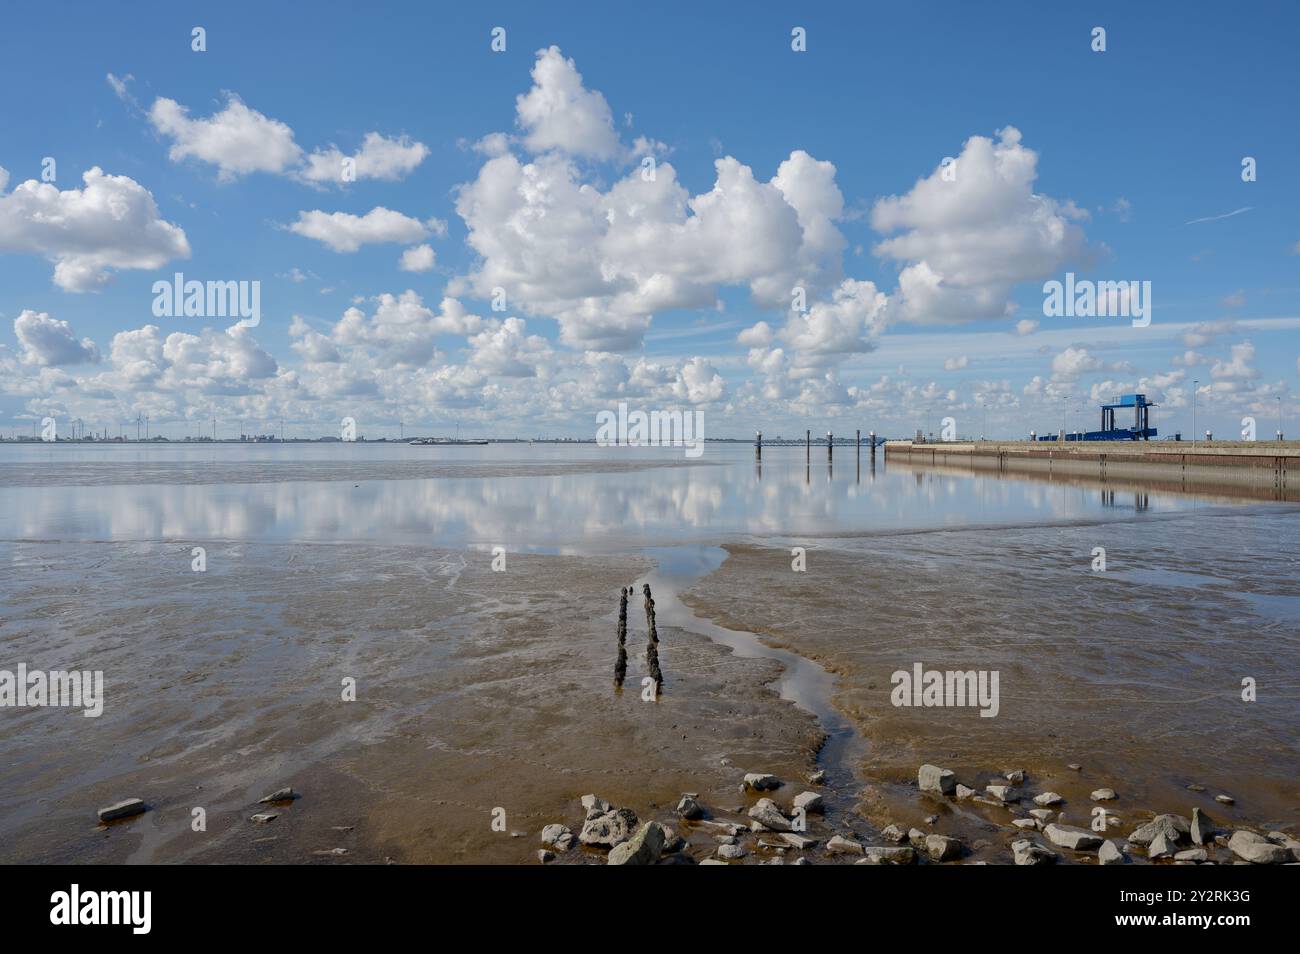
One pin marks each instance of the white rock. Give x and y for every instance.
(810, 802)
(798, 841)
(689, 808)
(887, 855)
(839, 845)
(609, 829)
(642, 848)
(1256, 849)
(940, 781)
(122, 809)
(761, 782)
(1076, 839)
(1026, 852)
(1175, 828)
(1110, 854)
(557, 836)
(1048, 798)
(942, 848)
(1162, 846)
(1104, 795)
(765, 812)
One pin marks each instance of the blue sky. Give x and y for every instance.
(1126, 147)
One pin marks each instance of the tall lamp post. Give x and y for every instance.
(1194, 388)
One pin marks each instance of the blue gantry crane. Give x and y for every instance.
(1140, 431)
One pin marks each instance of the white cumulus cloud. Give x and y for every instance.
(113, 222)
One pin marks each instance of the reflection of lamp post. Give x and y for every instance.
(1195, 382)
(1279, 417)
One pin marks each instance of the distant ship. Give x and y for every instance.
(444, 442)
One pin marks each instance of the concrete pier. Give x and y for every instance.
(1265, 465)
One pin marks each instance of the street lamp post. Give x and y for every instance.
(1194, 388)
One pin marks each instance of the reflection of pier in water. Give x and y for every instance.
(830, 458)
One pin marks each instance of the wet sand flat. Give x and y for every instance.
(1135, 673)
(475, 690)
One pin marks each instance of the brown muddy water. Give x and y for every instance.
(484, 694)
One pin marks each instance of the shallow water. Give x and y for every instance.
(409, 505)
(514, 495)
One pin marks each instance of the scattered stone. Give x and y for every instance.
(885, 855)
(595, 806)
(731, 852)
(544, 856)
(1028, 853)
(839, 845)
(817, 777)
(1225, 799)
(673, 842)
(122, 809)
(941, 847)
(1104, 795)
(810, 802)
(1174, 827)
(916, 837)
(712, 861)
(1042, 814)
(330, 852)
(643, 848)
(963, 792)
(1195, 787)
(798, 841)
(1256, 849)
(1076, 766)
(1003, 793)
(1162, 846)
(1048, 798)
(931, 819)
(801, 861)
(1076, 839)
(557, 836)
(1287, 842)
(1015, 776)
(262, 818)
(765, 812)
(727, 840)
(894, 833)
(1192, 854)
(1026, 823)
(761, 782)
(609, 829)
(689, 808)
(280, 795)
(1202, 827)
(940, 781)
(1110, 853)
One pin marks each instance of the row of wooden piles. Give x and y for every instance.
(652, 644)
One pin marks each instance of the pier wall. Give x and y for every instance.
(1260, 465)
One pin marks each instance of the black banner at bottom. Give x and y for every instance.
(335, 903)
